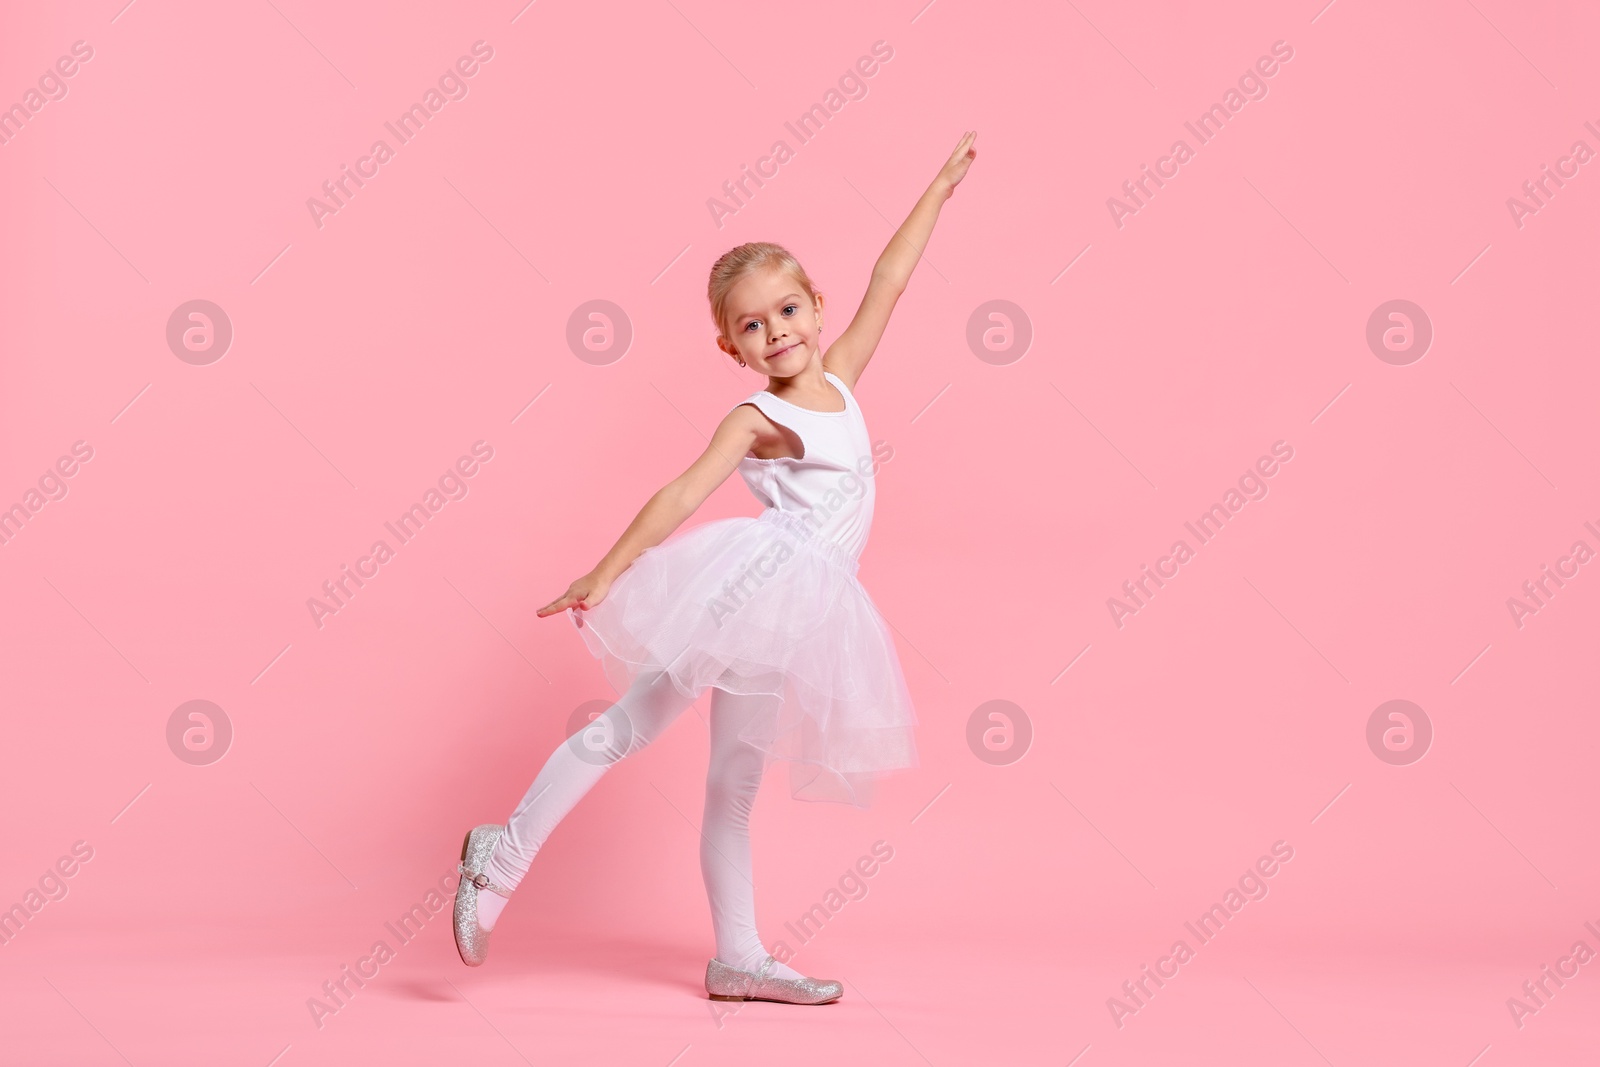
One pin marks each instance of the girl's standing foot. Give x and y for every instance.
(733, 777)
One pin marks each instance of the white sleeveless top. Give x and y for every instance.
(832, 485)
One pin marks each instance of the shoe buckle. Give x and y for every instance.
(480, 881)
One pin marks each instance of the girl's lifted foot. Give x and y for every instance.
(472, 936)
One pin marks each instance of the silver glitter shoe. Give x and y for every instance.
(730, 983)
(472, 940)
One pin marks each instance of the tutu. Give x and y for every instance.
(767, 605)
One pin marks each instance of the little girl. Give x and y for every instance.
(767, 611)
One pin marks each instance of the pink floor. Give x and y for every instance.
(551, 999)
(207, 956)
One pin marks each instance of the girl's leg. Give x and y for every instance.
(639, 717)
(732, 781)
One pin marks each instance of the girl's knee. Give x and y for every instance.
(611, 737)
(729, 806)
(730, 787)
(738, 762)
(633, 722)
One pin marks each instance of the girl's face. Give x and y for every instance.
(775, 325)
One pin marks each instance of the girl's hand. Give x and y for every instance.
(951, 173)
(586, 592)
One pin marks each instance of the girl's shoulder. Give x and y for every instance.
(839, 381)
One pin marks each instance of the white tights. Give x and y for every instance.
(732, 780)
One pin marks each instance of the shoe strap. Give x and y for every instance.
(481, 881)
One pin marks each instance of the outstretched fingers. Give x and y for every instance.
(966, 143)
(960, 160)
(560, 604)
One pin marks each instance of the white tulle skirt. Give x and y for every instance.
(759, 605)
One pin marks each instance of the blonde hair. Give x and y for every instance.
(749, 258)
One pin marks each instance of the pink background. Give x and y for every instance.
(431, 311)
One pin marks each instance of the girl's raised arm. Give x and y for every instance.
(847, 357)
(665, 511)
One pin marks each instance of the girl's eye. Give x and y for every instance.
(786, 308)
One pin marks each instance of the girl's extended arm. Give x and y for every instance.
(847, 357)
(665, 511)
